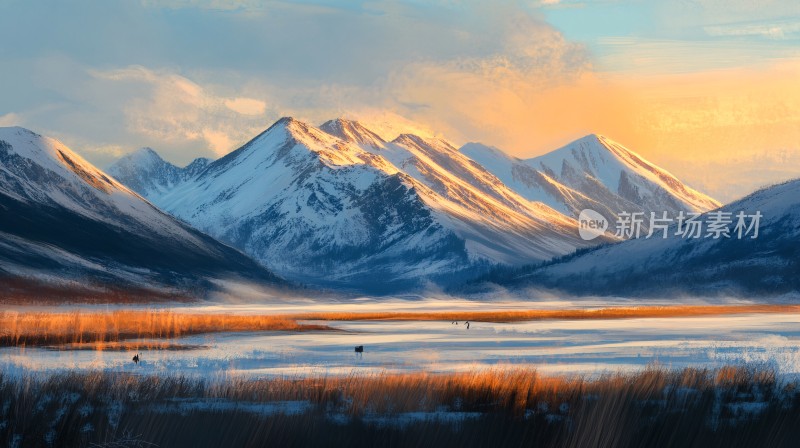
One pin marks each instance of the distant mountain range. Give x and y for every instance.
(145, 171)
(338, 206)
(704, 266)
(66, 225)
(593, 172)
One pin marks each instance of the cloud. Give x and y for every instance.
(218, 141)
(222, 5)
(726, 119)
(655, 56)
(175, 111)
(689, 13)
(388, 125)
(492, 97)
(246, 106)
(772, 30)
(10, 119)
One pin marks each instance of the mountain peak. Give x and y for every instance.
(286, 120)
(51, 155)
(292, 126)
(592, 136)
(284, 128)
(286, 124)
(600, 158)
(148, 151)
(594, 151)
(145, 156)
(352, 131)
(601, 143)
(293, 140)
(197, 165)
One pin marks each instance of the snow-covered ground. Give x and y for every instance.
(557, 346)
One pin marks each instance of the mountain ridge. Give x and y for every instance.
(296, 193)
(303, 201)
(592, 172)
(66, 220)
(646, 267)
(145, 171)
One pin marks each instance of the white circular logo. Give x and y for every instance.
(591, 224)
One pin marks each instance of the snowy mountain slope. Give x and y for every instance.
(146, 173)
(620, 170)
(353, 131)
(334, 208)
(63, 219)
(460, 182)
(537, 186)
(465, 189)
(593, 172)
(768, 264)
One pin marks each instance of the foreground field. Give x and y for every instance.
(87, 327)
(731, 406)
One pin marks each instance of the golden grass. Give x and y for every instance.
(126, 346)
(512, 390)
(83, 327)
(38, 328)
(655, 407)
(570, 314)
(509, 390)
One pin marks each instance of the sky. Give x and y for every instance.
(708, 89)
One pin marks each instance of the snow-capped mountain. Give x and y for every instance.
(65, 220)
(454, 178)
(353, 131)
(146, 173)
(767, 264)
(340, 206)
(593, 172)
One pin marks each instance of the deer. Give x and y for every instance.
(360, 350)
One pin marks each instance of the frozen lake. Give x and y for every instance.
(554, 346)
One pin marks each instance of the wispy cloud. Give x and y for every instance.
(174, 110)
(772, 30)
(10, 119)
(222, 5)
(646, 56)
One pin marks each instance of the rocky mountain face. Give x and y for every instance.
(595, 173)
(65, 221)
(337, 205)
(146, 173)
(694, 263)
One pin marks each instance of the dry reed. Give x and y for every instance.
(39, 328)
(732, 406)
(568, 314)
(81, 327)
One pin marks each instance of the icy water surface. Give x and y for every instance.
(556, 346)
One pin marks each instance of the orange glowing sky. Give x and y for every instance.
(708, 89)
